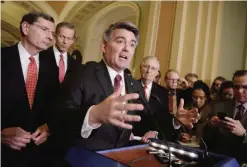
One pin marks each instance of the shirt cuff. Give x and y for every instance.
(174, 125)
(86, 129)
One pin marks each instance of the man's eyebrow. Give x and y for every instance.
(121, 37)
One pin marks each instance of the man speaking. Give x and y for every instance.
(100, 104)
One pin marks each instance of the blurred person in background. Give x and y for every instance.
(200, 99)
(226, 91)
(216, 86)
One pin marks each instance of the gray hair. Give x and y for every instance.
(151, 57)
(121, 25)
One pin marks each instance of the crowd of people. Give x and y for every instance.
(51, 102)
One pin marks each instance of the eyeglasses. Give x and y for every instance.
(64, 37)
(45, 29)
(240, 86)
(150, 67)
(173, 80)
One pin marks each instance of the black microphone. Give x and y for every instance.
(205, 154)
(144, 102)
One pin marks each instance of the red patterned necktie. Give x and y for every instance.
(117, 81)
(31, 81)
(61, 69)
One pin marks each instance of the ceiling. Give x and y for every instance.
(57, 5)
(77, 12)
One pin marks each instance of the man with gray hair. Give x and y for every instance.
(97, 111)
(157, 98)
(149, 69)
(101, 105)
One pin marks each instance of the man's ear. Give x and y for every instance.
(102, 46)
(25, 28)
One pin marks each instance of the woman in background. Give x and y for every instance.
(200, 99)
(216, 86)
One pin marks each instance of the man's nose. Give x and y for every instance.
(126, 47)
(240, 90)
(50, 36)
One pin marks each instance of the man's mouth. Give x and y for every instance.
(123, 57)
(47, 44)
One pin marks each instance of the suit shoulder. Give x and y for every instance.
(159, 86)
(47, 52)
(6, 50)
(91, 63)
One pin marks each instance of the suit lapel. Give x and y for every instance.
(70, 64)
(128, 84)
(104, 79)
(230, 108)
(153, 89)
(16, 72)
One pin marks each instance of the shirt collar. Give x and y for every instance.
(57, 52)
(237, 104)
(149, 86)
(24, 53)
(113, 73)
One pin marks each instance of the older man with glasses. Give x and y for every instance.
(27, 85)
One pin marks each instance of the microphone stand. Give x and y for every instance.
(205, 153)
(150, 113)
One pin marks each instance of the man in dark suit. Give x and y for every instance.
(175, 94)
(66, 64)
(149, 69)
(228, 135)
(157, 98)
(95, 114)
(27, 84)
(100, 104)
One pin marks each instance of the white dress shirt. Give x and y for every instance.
(86, 129)
(24, 58)
(57, 57)
(236, 109)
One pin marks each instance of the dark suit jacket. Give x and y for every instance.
(56, 139)
(222, 140)
(159, 113)
(186, 94)
(15, 107)
(73, 65)
(90, 86)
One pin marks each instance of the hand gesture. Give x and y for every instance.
(41, 134)
(183, 83)
(235, 126)
(15, 137)
(111, 110)
(149, 134)
(187, 117)
(185, 137)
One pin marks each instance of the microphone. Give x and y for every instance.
(205, 154)
(144, 102)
